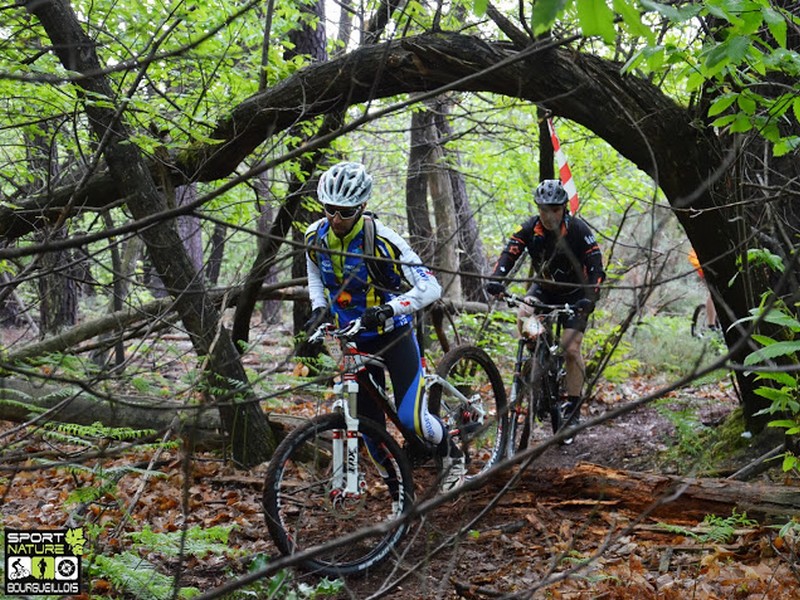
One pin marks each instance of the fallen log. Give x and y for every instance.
(22, 401)
(665, 496)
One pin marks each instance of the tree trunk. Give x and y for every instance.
(21, 401)
(189, 229)
(420, 231)
(250, 436)
(270, 309)
(217, 252)
(445, 260)
(472, 255)
(58, 291)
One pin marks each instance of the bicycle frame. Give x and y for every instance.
(541, 345)
(346, 478)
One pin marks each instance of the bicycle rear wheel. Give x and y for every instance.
(699, 321)
(303, 508)
(479, 425)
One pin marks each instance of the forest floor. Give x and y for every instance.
(535, 542)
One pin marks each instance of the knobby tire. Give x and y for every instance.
(474, 373)
(538, 400)
(302, 511)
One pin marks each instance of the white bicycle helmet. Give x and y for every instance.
(550, 192)
(345, 184)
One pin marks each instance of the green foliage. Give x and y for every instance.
(196, 541)
(598, 342)
(691, 436)
(23, 401)
(494, 332)
(749, 44)
(282, 585)
(92, 435)
(138, 577)
(663, 344)
(102, 481)
(142, 578)
(760, 257)
(789, 529)
(714, 529)
(781, 387)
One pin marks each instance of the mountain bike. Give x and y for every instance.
(700, 327)
(539, 382)
(343, 472)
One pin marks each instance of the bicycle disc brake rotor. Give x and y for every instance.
(345, 507)
(472, 415)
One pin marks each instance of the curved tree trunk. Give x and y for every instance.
(669, 142)
(250, 437)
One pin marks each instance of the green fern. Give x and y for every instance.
(18, 399)
(198, 542)
(714, 529)
(104, 481)
(140, 578)
(98, 431)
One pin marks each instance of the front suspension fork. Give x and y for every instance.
(346, 477)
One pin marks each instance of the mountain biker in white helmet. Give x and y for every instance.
(570, 267)
(341, 286)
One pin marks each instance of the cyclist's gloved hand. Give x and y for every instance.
(376, 315)
(318, 316)
(583, 307)
(495, 288)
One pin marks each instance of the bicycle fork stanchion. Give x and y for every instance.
(345, 447)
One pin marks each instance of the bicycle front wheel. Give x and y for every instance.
(539, 393)
(477, 415)
(305, 507)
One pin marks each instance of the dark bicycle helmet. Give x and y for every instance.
(550, 192)
(345, 184)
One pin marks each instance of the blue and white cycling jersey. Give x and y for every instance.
(338, 277)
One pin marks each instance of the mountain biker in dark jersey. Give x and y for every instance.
(567, 258)
(341, 285)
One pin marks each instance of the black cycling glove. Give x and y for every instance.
(583, 307)
(376, 315)
(495, 288)
(318, 316)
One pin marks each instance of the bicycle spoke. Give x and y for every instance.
(305, 508)
(477, 415)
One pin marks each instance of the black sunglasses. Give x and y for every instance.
(344, 212)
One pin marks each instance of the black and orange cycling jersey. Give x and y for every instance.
(566, 261)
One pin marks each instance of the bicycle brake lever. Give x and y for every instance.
(319, 334)
(353, 328)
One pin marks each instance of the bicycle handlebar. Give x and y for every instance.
(347, 332)
(514, 300)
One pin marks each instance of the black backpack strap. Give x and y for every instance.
(376, 273)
